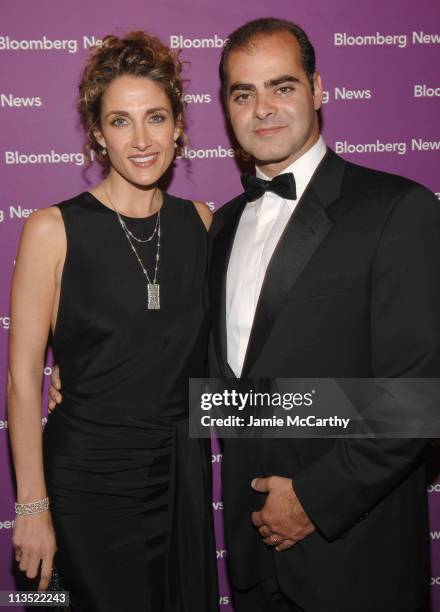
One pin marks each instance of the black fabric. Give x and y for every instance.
(283, 185)
(352, 291)
(264, 597)
(130, 492)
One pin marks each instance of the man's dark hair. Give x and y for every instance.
(244, 36)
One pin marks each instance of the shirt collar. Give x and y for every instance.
(302, 168)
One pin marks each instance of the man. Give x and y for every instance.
(333, 273)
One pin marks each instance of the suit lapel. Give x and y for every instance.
(221, 252)
(304, 233)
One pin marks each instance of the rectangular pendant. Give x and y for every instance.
(153, 296)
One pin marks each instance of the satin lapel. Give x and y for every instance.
(304, 232)
(221, 252)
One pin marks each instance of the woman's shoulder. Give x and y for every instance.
(201, 209)
(49, 222)
(44, 221)
(44, 231)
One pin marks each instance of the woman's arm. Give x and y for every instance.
(34, 301)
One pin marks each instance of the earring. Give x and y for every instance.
(175, 144)
(104, 151)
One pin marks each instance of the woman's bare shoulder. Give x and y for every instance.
(45, 224)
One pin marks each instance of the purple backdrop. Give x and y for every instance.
(378, 64)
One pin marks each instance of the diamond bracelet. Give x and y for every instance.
(32, 507)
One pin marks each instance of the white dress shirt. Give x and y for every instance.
(259, 230)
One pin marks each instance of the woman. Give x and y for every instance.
(115, 485)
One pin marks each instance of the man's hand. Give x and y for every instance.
(282, 520)
(55, 396)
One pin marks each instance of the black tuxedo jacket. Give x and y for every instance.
(352, 290)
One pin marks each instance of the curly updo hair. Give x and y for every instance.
(136, 54)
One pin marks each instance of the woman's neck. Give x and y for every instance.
(129, 199)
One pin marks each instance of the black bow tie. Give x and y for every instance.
(283, 185)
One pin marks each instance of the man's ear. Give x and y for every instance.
(317, 91)
(224, 100)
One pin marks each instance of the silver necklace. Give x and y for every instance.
(153, 288)
(149, 239)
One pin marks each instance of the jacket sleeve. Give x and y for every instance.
(341, 487)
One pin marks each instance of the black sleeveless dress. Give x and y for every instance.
(130, 492)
